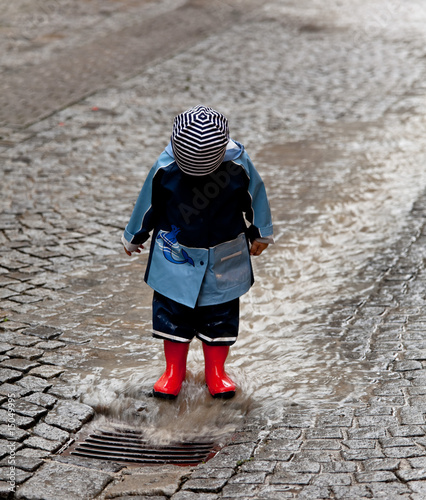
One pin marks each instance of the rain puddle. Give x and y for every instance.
(337, 202)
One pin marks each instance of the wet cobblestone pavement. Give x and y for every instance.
(332, 95)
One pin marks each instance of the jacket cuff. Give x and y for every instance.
(131, 247)
(269, 240)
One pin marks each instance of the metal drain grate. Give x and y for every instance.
(129, 447)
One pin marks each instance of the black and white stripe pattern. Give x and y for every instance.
(199, 140)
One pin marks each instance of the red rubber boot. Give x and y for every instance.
(169, 384)
(218, 382)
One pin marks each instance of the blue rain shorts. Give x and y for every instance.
(213, 325)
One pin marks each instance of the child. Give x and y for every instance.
(196, 200)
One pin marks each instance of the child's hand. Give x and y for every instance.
(257, 247)
(138, 250)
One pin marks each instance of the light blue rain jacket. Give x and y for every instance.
(199, 252)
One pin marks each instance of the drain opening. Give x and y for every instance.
(129, 447)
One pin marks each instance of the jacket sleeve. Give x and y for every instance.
(142, 219)
(258, 212)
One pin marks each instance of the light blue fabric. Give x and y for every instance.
(261, 211)
(229, 273)
(144, 201)
(217, 275)
(172, 280)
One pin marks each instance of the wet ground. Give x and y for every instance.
(329, 100)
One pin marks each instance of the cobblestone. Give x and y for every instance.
(43, 444)
(33, 453)
(24, 463)
(26, 353)
(356, 492)
(49, 432)
(34, 384)
(20, 476)
(63, 309)
(300, 466)
(70, 424)
(205, 485)
(20, 421)
(7, 375)
(7, 433)
(150, 483)
(19, 364)
(46, 372)
(56, 479)
(41, 399)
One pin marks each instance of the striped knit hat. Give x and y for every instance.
(199, 140)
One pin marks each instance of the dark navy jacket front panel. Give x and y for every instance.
(208, 210)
